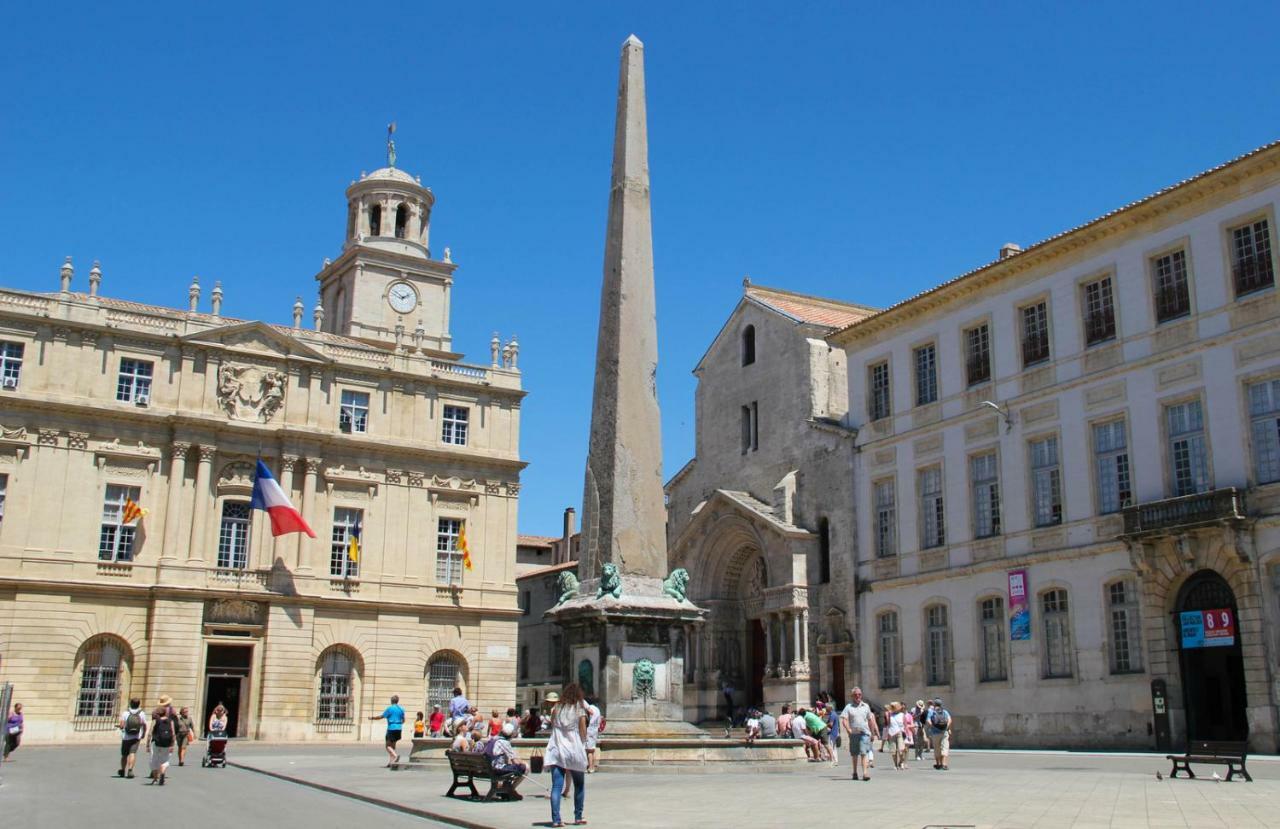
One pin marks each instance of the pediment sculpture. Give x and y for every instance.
(248, 392)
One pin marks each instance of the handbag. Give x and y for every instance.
(15, 729)
(535, 762)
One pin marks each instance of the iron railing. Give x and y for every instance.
(1185, 512)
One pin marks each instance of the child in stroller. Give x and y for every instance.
(215, 755)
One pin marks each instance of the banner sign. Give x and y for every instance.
(1019, 609)
(1208, 628)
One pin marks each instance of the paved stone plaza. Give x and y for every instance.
(73, 787)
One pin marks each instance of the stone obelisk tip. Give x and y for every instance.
(632, 41)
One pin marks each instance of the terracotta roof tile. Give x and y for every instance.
(536, 540)
(829, 313)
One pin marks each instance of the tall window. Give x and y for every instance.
(886, 519)
(448, 557)
(932, 515)
(1099, 312)
(748, 345)
(1035, 334)
(555, 656)
(1111, 456)
(353, 413)
(977, 354)
(1057, 633)
(115, 540)
(878, 404)
(99, 694)
(991, 612)
(346, 523)
(750, 427)
(334, 702)
(524, 661)
(455, 425)
(444, 673)
(890, 674)
(984, 476)
(10, 364)
(1264, 409)
(402, 221)
(4, 486)
(1173, 295)
(134, 383)
(233, 535)
(1188, 459)
(1251, 267)
(926, 359)
(375, 220)
(1126, 639)
(1046, 482)
(824, 551)
(937, 654)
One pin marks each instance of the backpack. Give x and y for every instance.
(133, 725)
(940, 720)
(162, 733)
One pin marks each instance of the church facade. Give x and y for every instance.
(393, 449)
(1061, 510)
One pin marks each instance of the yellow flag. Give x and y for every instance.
(462, 545)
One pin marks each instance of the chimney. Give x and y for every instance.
(566, 540)
(1009, 249)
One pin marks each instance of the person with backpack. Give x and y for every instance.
(133, 726)
(940, 734)
(160, 742)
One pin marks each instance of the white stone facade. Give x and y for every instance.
(106, 399)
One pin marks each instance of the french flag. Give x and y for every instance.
(267, 495)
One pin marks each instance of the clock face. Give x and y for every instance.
(402, 296)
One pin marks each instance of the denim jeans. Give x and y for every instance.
(557, 788)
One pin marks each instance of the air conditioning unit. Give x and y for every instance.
(11, 382)
(142, 400)
(344, 427)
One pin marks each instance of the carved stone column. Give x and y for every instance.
(173, 504)
(797, 661)
(200, 506)
(308, 510)
(804, 639)
(768, 645)
(288, 548)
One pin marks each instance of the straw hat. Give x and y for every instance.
(164, 699)
(552, 697)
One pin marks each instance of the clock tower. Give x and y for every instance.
(385, 281)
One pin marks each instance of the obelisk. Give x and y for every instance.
(626, 628)
(624, 517)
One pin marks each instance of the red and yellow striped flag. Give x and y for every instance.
(462, 545)
(132, 512)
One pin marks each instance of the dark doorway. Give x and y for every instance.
(756, 690)
(1212, 677)
(837, 680)
(226, 667)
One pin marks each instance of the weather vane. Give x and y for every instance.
(391, 144)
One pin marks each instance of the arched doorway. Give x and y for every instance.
(1211, 659)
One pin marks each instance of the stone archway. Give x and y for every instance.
(1210, 656)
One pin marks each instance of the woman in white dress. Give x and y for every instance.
(566, 752)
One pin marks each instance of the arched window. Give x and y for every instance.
(937, 645)
(375, 220)
(337, 685)
(445, 671)
(991, 614)
(824, 551)
(1057, 633)
(748, 345)
(402, 220)
(889, 648)
(102, 668)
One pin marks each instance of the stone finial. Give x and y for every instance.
(216, 296)
(419, 334)
(193, 294)
(399, 333)
(448, 255)
(513, 349)
(746, 282)
(67, 272)
(506, 355)
(318, 314)
(95, 278)
(297, 313)
(495, 345)
(327, 262)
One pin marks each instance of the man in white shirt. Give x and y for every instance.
(860, 728)
(133, 725)
(594, 718)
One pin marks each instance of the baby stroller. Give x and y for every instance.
(215, 754)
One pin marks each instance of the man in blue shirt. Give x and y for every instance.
(394, 715)
(459, 707)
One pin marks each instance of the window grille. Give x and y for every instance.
(1251, 265)
(99, 694)
(977, 354)
(334, 702)
(1173, 295)
(1035, 334)
(1099, 312)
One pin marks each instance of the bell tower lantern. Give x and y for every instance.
(385, 276)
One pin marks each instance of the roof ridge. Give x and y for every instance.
(811, 297)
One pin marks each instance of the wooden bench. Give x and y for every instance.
(467, 767)
(1229, 754)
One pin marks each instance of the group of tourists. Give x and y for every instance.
(822, 728)
(161, 732)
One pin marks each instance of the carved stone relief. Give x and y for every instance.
(248, 392)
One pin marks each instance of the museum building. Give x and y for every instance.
(131, 564)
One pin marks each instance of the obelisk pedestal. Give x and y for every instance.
(626, 630)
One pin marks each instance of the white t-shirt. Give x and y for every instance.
(798, 729)
(124, 718)
(857, 717)
(897, 724)
(564, 745)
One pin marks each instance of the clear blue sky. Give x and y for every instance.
(862, 154)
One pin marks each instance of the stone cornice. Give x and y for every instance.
(1042, 255)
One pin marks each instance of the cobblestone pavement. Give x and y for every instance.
(75, 786)
(996, 789)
